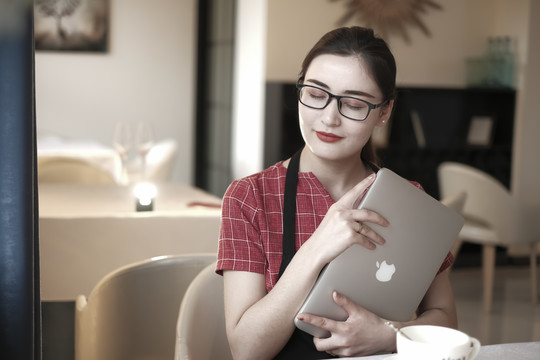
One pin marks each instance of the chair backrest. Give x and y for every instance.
(488, 201)
(455, 201)
(131, 313)
(200, 332)
(69, 170)
(160, 160)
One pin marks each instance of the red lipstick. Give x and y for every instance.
(328, 137)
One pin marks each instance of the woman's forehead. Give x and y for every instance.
(342, 73)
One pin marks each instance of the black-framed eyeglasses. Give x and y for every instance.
(348, 106)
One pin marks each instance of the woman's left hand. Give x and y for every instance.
(363, 333)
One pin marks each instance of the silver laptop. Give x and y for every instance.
(391, 280)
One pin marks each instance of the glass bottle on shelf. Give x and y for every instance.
(508, 62)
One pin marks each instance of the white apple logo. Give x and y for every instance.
(385, 271)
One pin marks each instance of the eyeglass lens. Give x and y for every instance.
(349, 107)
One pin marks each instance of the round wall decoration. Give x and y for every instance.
(389, 16)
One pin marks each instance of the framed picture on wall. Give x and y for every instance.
(71, 25)
(480, 131)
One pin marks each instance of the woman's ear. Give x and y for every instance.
(385, 113)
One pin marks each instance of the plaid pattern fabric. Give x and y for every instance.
(251, 225)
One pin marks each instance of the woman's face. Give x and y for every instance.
(327, 133)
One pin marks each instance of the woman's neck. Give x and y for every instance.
(337, 176)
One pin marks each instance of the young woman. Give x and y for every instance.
(346, 88)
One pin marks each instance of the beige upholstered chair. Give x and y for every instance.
(160, 160)
(200, 332)
(131, 313)
(159, 163)
(493, 217)
(68, 170)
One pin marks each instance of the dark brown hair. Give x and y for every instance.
(363, 43)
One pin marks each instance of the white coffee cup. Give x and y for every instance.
(428, 342)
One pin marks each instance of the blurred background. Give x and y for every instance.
(215, 76)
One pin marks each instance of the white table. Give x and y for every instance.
(514, 351)
(87, 231)
(92, 152)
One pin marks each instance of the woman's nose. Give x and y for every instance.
(331, 115)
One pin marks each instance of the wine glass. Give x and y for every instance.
(122, 142)
(145, 141)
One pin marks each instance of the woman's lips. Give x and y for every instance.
(327, 137)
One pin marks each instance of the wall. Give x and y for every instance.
(248, 87)
(458, 31)
(147, 74)
(526, 167)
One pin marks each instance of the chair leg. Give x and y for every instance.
(488, 269)
(534, 273)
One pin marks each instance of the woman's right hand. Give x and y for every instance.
(345, 225)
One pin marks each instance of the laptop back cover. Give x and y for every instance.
(391, 280)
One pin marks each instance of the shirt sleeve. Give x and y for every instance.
(240, 246)
(448, 261)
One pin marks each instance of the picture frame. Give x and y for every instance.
(480, 131)
(74, 25)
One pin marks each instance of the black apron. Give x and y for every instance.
(300, 345)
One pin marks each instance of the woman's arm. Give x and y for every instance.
(364, 333)
(259, 324)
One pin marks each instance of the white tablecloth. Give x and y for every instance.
(514, 351)
(87, 231)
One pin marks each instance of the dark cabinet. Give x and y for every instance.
(445, 117)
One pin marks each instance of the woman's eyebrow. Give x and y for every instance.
(319, 83)
(347, 92)
(359, 93)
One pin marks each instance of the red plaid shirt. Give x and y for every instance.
(251, 231)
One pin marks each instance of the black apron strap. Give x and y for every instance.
(300, 345)
(373, 167)
(289, 212)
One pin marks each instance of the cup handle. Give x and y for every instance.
(475, 348)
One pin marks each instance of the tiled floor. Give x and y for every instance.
(513, 318)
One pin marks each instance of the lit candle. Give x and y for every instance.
(145, 194)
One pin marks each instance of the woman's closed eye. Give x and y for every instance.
(353, 104)
(317, 94)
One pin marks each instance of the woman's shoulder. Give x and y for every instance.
(267, 180)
